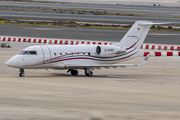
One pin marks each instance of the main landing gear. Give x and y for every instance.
(75, 72)
(88, 72)
(21, 74)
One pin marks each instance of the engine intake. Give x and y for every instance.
(109, 50)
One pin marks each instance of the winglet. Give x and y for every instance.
(144, 61)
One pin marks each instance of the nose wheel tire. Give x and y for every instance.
(21, 74)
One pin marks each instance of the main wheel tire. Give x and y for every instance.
(74, 72)
(86, 74)
(90, 74)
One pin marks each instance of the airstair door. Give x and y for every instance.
(46, 54)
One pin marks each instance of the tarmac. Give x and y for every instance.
(148, 92)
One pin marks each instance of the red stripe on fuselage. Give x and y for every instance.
(41, 63)
(93, 58)
(133, 45)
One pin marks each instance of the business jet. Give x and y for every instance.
(87, 57)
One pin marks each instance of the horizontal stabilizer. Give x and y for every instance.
(151, 23)
(145, 60)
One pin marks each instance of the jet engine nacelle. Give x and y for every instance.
(109, 50)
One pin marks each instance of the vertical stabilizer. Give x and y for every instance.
(135, 37)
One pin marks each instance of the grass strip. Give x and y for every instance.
(90, 27)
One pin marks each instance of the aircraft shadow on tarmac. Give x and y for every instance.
(51, 75)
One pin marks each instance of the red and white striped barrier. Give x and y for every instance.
(158, 47)
(160, 54)
(72, 42)
(35, 40)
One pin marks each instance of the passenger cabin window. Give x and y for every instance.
(89, 53)
(77, 53)
(32, 53)
(54, 54)
(23, 53)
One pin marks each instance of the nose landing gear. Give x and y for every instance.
(21, 74)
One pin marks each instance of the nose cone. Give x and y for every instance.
(13, 62)
(9, 63)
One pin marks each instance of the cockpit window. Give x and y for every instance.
(28, 53)
(23, 53)
(32, 53)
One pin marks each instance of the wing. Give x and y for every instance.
(98, 66)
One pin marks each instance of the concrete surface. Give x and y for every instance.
(149, 92)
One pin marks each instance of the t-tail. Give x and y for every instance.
(135, 37)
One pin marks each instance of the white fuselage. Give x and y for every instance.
(87, 57)
(56, 56)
